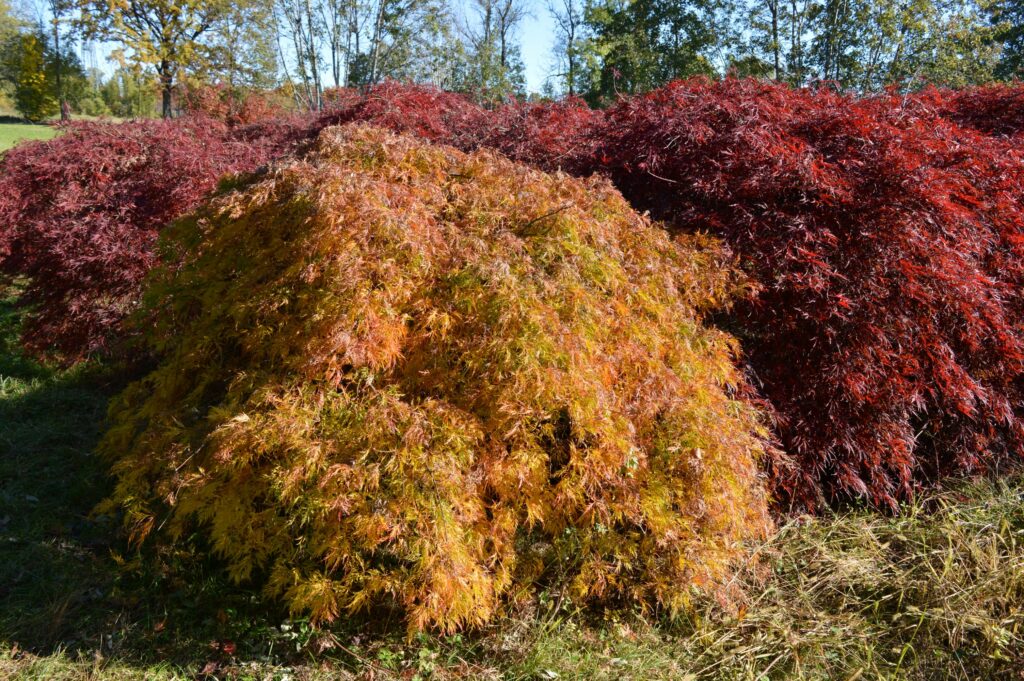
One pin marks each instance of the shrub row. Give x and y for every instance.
(884, 235)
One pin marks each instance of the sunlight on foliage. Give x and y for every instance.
(888, 243)
(393, 374)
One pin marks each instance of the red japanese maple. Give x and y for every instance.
(79, 217)
(889, 246)
(993, 109)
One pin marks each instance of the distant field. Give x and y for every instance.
(12, 133)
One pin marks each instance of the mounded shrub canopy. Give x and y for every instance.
(421, 110)
(80, 215)
(996, 109)
(889, 244)
(395, 374)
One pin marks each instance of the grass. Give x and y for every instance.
(12, 133)
(935, 593)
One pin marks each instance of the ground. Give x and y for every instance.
(12, 133)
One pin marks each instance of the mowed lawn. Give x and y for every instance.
(12, 133)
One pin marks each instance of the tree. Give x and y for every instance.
(440, 55)
(58, 15)
(641, 44)
(569, 27)
(10, 26)
(341, 19)
(241, 51)
(128, 93)
(9, 23)
(304, 25)
(776, 30)
(495, 66)
(40, 79)
(165, 34)
(870, 44)
(25, 65)
(1007, 16)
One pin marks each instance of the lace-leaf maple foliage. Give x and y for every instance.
(888, 241)
(395, 374)
(996, 109)
(80, 215)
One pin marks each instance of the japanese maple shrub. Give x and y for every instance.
(996, 109)
(421, 110)
(561, 135)
(551, 136)
(889, 246)
(80, 214)
(395, 374)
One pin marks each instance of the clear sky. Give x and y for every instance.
(537, 36)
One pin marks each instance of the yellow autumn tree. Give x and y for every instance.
(33, 92)
(393, 374)
(167, 35)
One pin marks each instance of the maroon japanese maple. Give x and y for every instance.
(80, 214)
(421, 110)
(993, 109)
(550, 135)
(889, 246)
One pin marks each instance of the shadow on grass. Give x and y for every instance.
(67, 580)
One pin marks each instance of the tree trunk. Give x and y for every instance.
(65, 110)
(378, 35)
(166, 88)
(773, 7)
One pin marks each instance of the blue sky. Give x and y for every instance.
(537, 35)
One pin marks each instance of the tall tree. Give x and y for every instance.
(24, 66)
(241, 48)
(642, 44)
(867, 45)
(59, 11)
(341, 21)
(569, 29)
(128, 93)
(870, 44)
(304, 26)
(494, 60)
(440, 56)
(1007, 20)
(165, 34)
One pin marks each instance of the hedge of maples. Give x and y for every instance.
(883, 236)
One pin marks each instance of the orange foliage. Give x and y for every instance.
(396, 374)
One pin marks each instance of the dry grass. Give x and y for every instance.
(933, 594)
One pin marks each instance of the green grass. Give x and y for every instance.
(12, 133)
(936, 593)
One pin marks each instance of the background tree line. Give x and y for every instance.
(301, 49)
